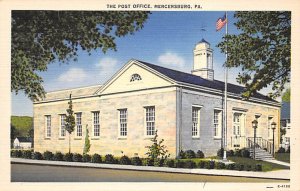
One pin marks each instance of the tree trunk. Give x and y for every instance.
(69, 143)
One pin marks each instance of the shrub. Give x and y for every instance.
(158, 162)
(86, 158)
(58, 156)
(201, 164)
(258, 167)
(245, 153)
(136, 161)
(48, 155)
(281, 150)
(220, 165)
(230, 166)
(16, 153)
(220, 152)
(157, 150)
(210, 164)
(237, 153)
(200, 154)
(148, 162)
(181, 155)
(68, 157)
(179, 164)
(109, 159)
(27, 154)
(248, 167)
(125, 160)
(240, 167)
(230, 153)
(96, 158)
(77, 157)
(189, 164)
(190, 154)
(37, 156)
(288, 150)
(169, 163)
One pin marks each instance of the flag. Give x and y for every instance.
(221, 22)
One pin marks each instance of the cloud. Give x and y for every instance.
(172, 60)
(107, 67)
(73, 75)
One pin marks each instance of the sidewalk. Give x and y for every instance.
(278, 162)
(279, 174)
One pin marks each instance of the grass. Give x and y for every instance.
(266, 166)
(285, 157)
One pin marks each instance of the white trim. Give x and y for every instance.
(46, 126)
(198, 120)
(145, 121)
(60, 118)
(93, 124)
(220, 124)
(76, 127)
(119, 123)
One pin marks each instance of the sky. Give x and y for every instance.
(167, 39)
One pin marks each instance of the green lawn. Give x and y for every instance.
(266, 166)
(285, 157)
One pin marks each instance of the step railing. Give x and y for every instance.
(260, 143)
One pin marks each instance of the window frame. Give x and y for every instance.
(218, 132)
(197, 130)
(96, 124)
(78, 126)
(122, 129)
(48, 126)
(239, 123)
(62, 125)
(270, 131)
(147, 121)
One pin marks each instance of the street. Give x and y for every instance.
(46, 173)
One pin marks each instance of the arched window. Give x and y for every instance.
(135, 77)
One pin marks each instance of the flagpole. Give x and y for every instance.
(225, 94)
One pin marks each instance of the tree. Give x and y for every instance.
(87, 144)
(13, 133)
(262, 50)
(157, 150)
(287, 95)
(41, 37)
(70, 121)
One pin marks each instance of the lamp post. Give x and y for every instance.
(254, 125)
(273, 125)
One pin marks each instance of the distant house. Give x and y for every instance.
(23, 143)
(285, 124)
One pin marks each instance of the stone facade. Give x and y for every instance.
(109, 142)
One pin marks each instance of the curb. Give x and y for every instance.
(279, 175)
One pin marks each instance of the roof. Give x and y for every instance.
(203, 40)
(285, 110)
(76, 92)
(198, 81)
(24, 139)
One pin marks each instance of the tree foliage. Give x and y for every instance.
(70, 120)
(286, 97)
(262, 50)
(157, 150)
(87, 144)
(41, 37)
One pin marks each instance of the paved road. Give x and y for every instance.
(44, 173)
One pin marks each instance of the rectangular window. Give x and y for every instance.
(123, 122)
(150, 120)
(63, 125)
(48, 125)
(217, 123)
(78, 125)
(236, 123)
(270, 133)
(195, 121)
(96, 117)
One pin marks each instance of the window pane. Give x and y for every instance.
(150, 120)
(123, 122)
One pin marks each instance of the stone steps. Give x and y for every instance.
(261, 154)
